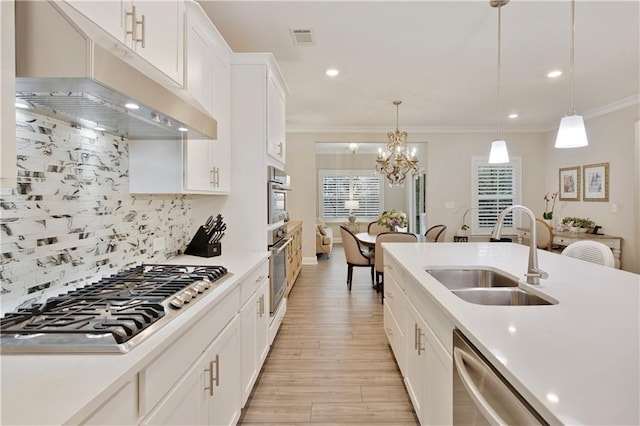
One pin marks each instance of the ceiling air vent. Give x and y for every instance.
(302, 37)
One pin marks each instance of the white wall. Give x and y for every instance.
(447, 162)
(448, 166)
(611, 140)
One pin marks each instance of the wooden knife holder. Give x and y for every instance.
(199, 245)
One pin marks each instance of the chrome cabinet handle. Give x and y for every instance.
(210, 370)
(142, 22)
(133, 22)
(389, 331)
(217, 361)
(134, 25)
(211, 378)
(420, 336)
(260, 278)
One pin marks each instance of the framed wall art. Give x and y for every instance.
(569, 181)
(596, 182)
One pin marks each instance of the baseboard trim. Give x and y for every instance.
(309, 261)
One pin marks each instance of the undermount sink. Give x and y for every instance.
(456, 278)
(484, 286)
(505, 296)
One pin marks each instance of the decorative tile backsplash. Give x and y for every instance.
(71, 219)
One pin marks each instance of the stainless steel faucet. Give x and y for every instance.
(533, 272)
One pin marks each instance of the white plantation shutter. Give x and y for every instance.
(337, 185)
(494, 188)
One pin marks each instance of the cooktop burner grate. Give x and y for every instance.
(122, 305)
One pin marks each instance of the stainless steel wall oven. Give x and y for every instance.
(277, 266)
(278, 185)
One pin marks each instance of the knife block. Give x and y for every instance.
(199, 245)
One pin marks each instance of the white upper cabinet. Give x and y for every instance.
(152, 29)
(259, 87)
(193, 166)
(276, 120)
(207, 167)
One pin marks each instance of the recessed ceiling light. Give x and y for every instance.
(332, 72)
(99, 128)
(21, 105)
(183, 129)
(512, 116)
(131, 105)
(554, 74)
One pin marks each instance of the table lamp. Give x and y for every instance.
(352, 205)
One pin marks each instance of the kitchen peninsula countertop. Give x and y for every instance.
(576, 362)
(44, 389)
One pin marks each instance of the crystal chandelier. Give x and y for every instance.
(396, 163)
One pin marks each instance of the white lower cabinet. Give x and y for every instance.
(254, 320)
(120, 409)
(420, 336)
(209, 393)
(415, 377)
(438, 405)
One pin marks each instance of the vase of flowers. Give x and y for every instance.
(549, 198)
(393, 219)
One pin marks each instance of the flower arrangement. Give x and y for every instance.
(393, 219)
(549, 197)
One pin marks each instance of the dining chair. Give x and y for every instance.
(386, 237)
(544, 235)
(436, 233)
(591, 251)
(374, 228)
(355, 255)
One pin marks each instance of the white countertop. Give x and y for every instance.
(66, 388)
(577, 362)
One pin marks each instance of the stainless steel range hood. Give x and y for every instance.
(61, 71)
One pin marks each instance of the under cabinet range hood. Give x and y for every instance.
(62, 71)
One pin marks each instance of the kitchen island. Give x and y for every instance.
(124, 388)
(575, 362)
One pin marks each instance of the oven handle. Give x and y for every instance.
(278, 186)
(277, 248)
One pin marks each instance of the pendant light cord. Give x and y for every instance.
(499, 64)
(571, 50)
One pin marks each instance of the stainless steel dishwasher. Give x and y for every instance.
(481, 396)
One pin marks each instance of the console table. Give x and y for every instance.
(564, 238)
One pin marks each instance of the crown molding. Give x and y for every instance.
(596, 112)
(411, 130)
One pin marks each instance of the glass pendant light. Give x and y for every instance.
(571, 133)
(499, 153)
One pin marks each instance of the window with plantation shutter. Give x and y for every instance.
(494, 188)
(338, 186)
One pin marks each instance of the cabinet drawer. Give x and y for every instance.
(394, 299)
(166, 370)
(441, 326)
(394, 270)
(396, 338)
(252, 282)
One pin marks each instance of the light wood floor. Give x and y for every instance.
(330, 362)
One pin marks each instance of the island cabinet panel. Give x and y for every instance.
(425, 333)
(415, 378)
(394, 319)
(120, 409)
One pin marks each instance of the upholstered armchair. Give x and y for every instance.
(324, 239)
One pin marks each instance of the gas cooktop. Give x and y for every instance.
(112, 315)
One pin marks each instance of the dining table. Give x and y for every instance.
(369, 240)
